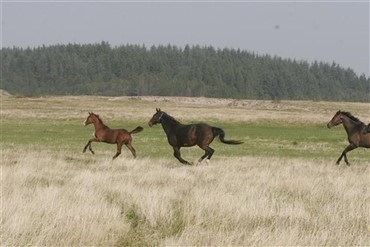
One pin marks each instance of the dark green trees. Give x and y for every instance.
(99, 69)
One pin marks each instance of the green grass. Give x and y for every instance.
(260, 139)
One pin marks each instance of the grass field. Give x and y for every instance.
(281, 187)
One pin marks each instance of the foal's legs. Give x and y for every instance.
(132, 149)
(89, 145)
(208, 152)
(119, 148)
(177, 154)
(350, 147)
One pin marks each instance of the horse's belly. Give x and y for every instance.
(188, 144)
(180, 143)
(365, 145)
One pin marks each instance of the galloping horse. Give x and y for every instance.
(113, 136)
(180, 135)
(355, 131)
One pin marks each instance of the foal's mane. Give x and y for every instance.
(97, 116)
(350, 116)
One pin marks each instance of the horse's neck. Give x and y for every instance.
(99, 125)
(349, 125)
(168, 124)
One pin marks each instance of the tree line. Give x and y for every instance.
(100, 69)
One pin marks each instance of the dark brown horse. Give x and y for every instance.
(355, 131)
(180, 135)
(113, 136)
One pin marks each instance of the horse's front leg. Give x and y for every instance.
(177, 154)
(89, 145)
(340, 158)
(350, 147)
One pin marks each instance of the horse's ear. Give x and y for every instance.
(157, 109)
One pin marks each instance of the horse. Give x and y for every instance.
(355, 132)
(112, 136)
(181, 135)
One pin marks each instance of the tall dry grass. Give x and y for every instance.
(64, 198)
(59, 199)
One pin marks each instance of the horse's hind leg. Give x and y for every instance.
(211, 151)
(119, 148)
(132, 149)
(208, 153)
(202, 158)
(177, 154)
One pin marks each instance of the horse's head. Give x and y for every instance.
(156, 117)
(337, 119)
(91, 118)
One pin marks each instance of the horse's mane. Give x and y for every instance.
(172, 119)
(97, 116)
(353, 118)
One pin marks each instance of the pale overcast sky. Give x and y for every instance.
(303, 30)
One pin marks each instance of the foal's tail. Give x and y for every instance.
(220, 132)
(136, 130)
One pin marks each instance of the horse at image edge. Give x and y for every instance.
(356, 132)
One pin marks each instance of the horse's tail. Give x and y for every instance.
(220, 132)
(136, 130)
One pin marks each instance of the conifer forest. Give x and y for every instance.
(137, 70)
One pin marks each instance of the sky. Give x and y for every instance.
(324, 31)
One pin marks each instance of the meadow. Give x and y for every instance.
(281, 187)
